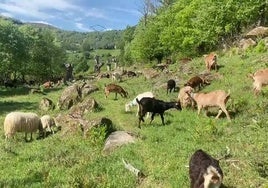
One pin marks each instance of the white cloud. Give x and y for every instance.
(95, 13)
(7, 14)
(82, 27)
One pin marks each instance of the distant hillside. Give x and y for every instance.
(72, 40)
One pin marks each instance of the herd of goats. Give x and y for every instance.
(204, 170)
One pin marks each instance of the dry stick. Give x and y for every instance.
(134, 170)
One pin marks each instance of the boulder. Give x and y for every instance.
(69, 97)
(117, 139)
(88, 88)
(87, 105)
(246, 43)
(46, 104)
(258, 32)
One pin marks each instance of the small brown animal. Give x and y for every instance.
(217, 98)
(211, 61)
(196, 81)
(115, 89)
(48, 84)
(260, 78)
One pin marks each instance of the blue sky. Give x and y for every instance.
(75, 15)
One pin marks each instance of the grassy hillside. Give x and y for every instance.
(162, 152)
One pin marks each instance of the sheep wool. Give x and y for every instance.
(21, 122)
(47, 123)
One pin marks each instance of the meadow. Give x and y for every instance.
(162, 153)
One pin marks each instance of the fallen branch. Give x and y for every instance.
(134, 170)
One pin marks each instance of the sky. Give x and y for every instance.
(75, 15)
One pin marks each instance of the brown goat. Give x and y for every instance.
(115, 89)
(48, 84)
(211, 61)
(196, 81)
(260, 78)
(184, 99)
(216, 98)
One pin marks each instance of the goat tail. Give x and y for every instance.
(138, 101)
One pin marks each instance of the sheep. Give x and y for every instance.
(134, 102)
(171, 84)
(211, 61)
(260, 78)
(116, 89)
(184, 99)
(22, 122)
(204, 171)
(147, 104)
(217, 98)
(196, 81)
(47, 123)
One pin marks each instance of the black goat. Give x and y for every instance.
(155, 106)
(171, 84)
(204, 171)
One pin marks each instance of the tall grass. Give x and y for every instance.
(162, 152)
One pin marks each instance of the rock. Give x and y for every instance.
(117, 139)
(246, 43)
(46, 104)
(87, 105)
(69, 97)
(260, 32)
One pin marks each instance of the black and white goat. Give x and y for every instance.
(154, 106)
(204, 171)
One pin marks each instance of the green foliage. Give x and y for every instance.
(192, 28)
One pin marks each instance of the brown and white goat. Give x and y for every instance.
(204, 171)
(48, 84)
(115, 89)
(216, 98)
(196, 81)
(260, 78)
(211, 61)
(184, 99)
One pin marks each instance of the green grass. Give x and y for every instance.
(162, 152)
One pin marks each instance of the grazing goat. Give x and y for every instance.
(196, 81)
(204, 171)
(155, 106)
(260, 78)
(216, 98)
(211, 61)
(171, 84)
(184, 99)
(115, 89)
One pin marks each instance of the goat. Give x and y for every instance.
(116, 89)
(48, 84)
(196, 81)
(211, 61)
(139, 97)
(184, 99)
(216, 98)
(155, 106)
(204, 171)
(260, 78)
(171, 84)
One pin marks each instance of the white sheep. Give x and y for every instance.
(47, 123)
(134, 101)
(22, 122)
